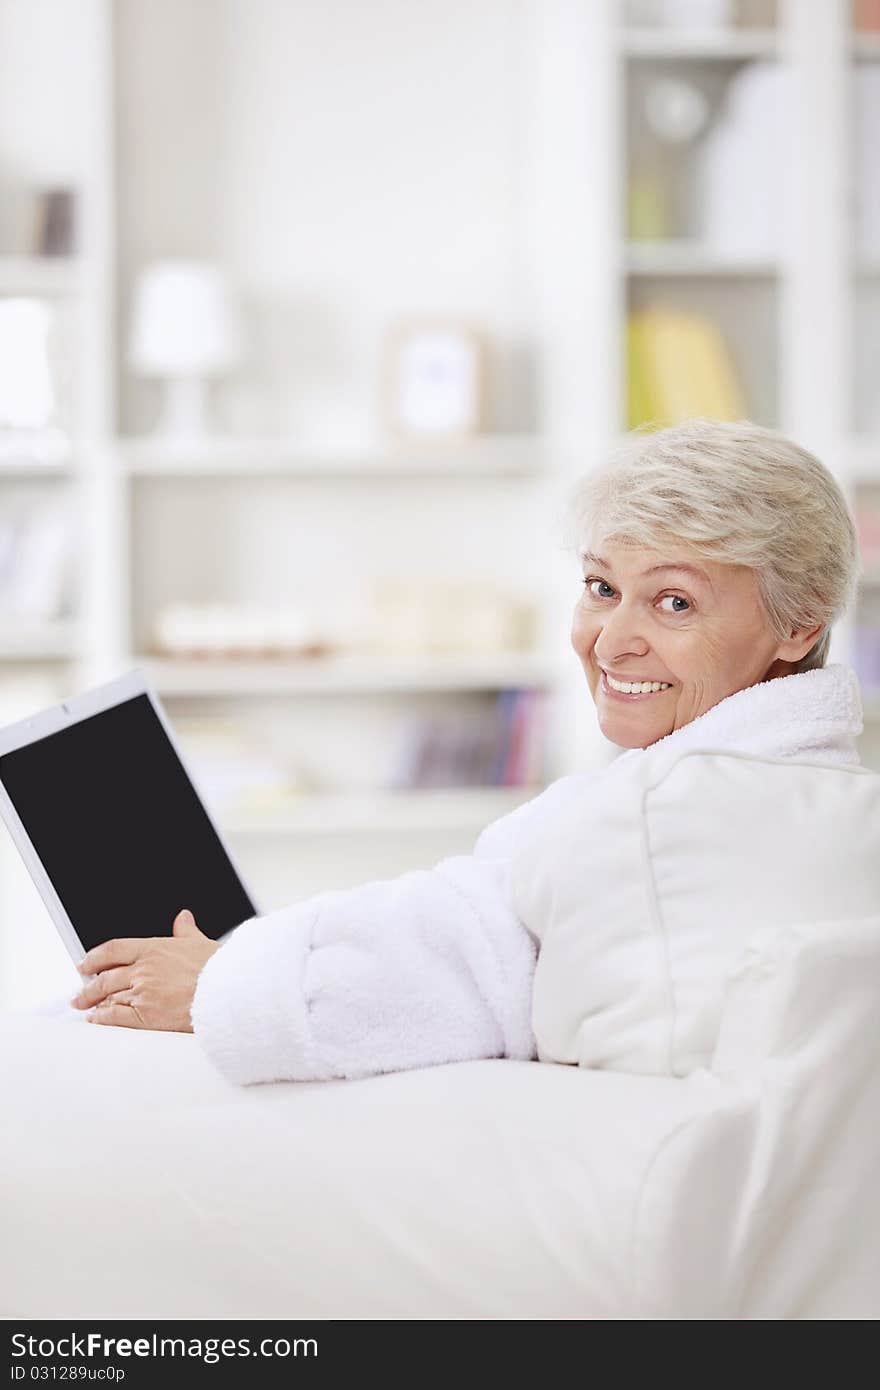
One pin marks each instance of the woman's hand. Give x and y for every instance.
(146, 982)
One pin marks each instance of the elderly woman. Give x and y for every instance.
(716, 558)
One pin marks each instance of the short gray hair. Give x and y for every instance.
(736, 493)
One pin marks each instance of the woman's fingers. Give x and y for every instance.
(123, 951)
(108, 982)
(119, 1015)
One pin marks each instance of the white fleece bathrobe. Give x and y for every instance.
(444, 964)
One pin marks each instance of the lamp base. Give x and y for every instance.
(184, 415)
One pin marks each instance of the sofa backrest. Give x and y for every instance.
(645, 891)
(766, 1206)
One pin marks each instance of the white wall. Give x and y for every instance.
(353, 162)
(45, 48)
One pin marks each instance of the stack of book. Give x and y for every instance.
(867, 658)
(679, 367)
(504, 749)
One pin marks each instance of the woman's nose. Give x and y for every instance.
(620, 636)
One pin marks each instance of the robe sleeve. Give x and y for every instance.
(431, 967)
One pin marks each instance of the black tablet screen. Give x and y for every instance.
(120, 830)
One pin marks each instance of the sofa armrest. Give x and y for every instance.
(811, 986)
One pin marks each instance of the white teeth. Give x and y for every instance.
(636, 687)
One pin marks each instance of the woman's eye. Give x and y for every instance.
(590, 583)
(675, 598)
(599, 588)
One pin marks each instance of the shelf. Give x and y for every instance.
(497, 455)
(866, 47)
(682, 258)
(40, 275)
(381, 813)
(20, 472)
(345, 675)
(36, 641)
(721, 45)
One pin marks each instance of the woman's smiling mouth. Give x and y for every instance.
(632, 690)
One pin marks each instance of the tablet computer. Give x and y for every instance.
(108, 820)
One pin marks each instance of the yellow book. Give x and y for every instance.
(639, 404)
(715, 377)
(688, 369)
(671, 385)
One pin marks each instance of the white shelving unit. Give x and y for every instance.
(792, 313)
(582, 56)
(41, 276)
(349, 674)
(491, 456)
(51, 641)
(731, 45)
(148, 481)
(53, 55)
(791, 318)
(56, 57)
(395, 813)
(692, 260)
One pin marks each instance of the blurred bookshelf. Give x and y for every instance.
(684, 258)
(757, 297)
(866, 47)
(652, 42)
(56, 398)
(341, 674)
(863, 446)
(646, 200)
(34, 641)
(389, 813)
(41, 275)
(498, 456)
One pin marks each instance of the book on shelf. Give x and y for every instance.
(867, 657)
(867, 518)
(503, 748)
(866, 157)
(678, 367)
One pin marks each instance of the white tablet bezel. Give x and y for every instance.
(63, 716)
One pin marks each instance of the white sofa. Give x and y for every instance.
(137, 1183)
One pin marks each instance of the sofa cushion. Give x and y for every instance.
(644, 896)
(143, 1185)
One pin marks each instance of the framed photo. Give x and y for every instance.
(55, 223)
(433, 382)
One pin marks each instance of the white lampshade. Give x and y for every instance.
(184, 322)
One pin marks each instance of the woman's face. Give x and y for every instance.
(694, 625)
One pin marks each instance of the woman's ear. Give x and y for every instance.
(800, 642)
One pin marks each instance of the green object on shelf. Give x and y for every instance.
(638, 386)
(647, 209)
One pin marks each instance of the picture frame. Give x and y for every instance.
(433, 388)
(55, 219)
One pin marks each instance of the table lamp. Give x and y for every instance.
(184, 330)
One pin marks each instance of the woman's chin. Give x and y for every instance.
(629, 732)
